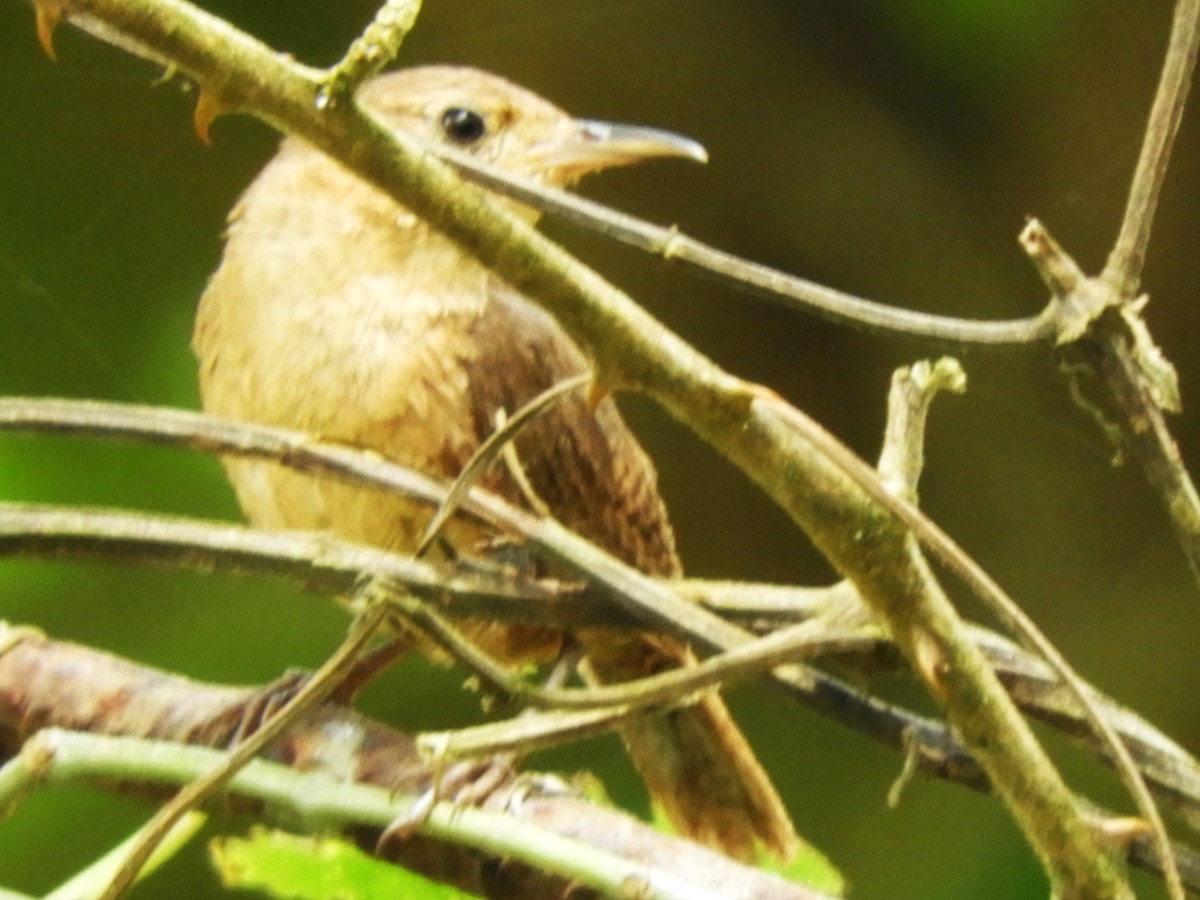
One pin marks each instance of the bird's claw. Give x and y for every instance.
(266, 702)
(468, 784)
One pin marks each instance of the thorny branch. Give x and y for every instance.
(1123, 270)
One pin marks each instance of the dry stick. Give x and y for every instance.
(516, 471)
(912, 391)
(312, 560)
(1147, 436)
(318, 688)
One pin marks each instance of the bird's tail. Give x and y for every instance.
(695, 762)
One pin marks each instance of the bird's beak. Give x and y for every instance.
(593, 145)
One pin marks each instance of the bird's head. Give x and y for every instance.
(510, 127)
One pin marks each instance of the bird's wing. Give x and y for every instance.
(584, 464)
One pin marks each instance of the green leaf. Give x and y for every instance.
(304, 868)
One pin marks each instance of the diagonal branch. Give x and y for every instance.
(1123, 271)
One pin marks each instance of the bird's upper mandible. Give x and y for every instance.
(511, 127)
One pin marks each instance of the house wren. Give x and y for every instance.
(339, 312)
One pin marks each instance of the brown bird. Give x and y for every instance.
(337, 311)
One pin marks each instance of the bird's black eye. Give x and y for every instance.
(463, 126)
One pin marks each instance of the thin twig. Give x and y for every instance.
(1124, 267)
(913, 389)
(790, 291)
(1147, 437)
(377, 46)
(794, 642)
(314, 561)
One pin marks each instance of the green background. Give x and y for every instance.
(889, 149)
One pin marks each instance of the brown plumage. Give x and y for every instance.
(339, 312)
